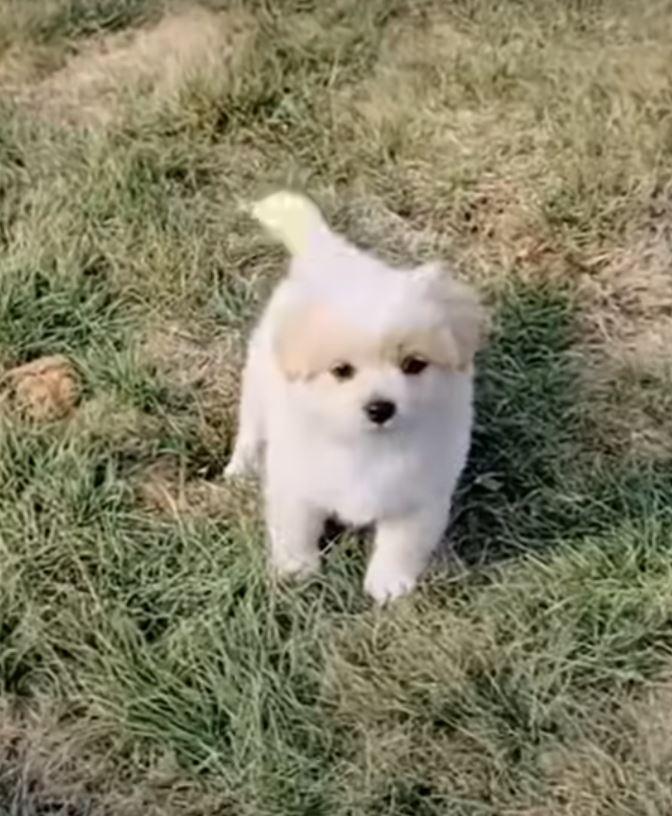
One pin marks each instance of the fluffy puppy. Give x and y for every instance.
(356, 399)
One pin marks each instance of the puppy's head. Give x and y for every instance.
(378, 352)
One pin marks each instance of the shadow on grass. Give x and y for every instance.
(533, 478)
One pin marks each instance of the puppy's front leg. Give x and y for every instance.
(247, 451)
(402, 550)
(294, 530)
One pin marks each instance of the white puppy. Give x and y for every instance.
(356, 399)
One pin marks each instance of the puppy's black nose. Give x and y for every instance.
(379, 411)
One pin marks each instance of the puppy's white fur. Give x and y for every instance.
(308, 432)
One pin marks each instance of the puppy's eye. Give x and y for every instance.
(343, 371)
(413, 365)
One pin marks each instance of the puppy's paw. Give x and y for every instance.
(291, 565)
(236, 469)
(244, 462)
(386, 581)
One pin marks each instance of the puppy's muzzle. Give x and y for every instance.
(380, 411)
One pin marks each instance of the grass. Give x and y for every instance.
(147, 663)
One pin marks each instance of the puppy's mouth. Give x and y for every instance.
(381, 429)
(384, 428)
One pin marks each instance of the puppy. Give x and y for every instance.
(356, 399)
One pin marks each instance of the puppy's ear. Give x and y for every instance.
(463, 317)
(300, 342)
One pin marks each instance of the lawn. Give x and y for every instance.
(148, 664)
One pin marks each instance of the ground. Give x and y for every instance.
(148, 665)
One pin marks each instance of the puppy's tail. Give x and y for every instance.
(292, 219)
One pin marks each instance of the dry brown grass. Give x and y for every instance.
(498, 179)
(166, 487)
(622, 769)
(628, 334)
(152, 64)
(43, 751)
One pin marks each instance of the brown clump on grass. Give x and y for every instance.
(43, 390)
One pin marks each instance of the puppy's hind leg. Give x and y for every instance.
(294, 529)
(402, 550)
(250, 440)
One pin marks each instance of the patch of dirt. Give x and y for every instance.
(43, 390)
(166, 488)
(154, 61)
(502, 218)
(205, 374)
(199, 367)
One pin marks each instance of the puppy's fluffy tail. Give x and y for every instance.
(292, 219)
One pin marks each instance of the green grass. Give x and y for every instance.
(148, 664)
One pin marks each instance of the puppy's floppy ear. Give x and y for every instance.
(302, 341)
(464, 319)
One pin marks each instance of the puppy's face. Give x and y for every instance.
(379, 359)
